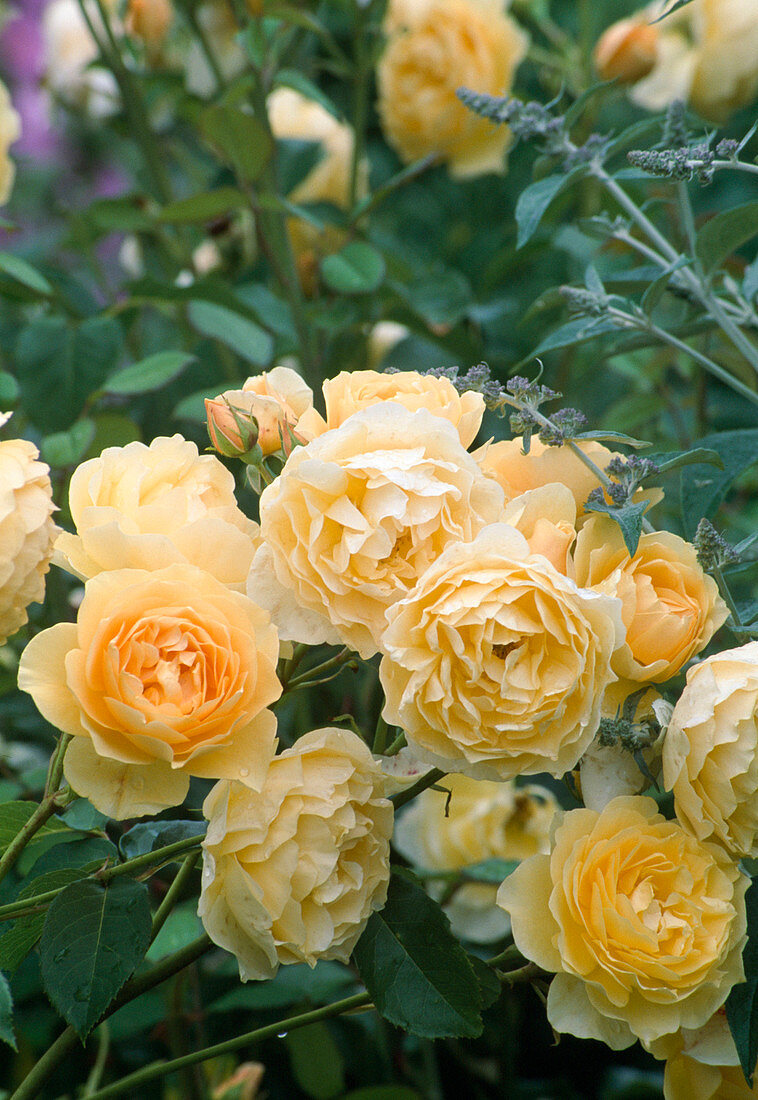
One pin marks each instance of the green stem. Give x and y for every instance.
(25, 835)
(134, 1082)
(736, 625)
(427, 780)
(103, 1046)
(360, 100)
(188, 12)
(55, 771)
(173, 892)
(398, 744)
(306, 678)
(510, 954)
(380, 737)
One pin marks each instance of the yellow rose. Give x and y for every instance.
(357, 515)
(27, 532)
(710, 755)
(140, 507)
(671, 609)
(517, 472)
(627, 50)
(546, 517)
(435, 48)
(496, 663)
(642, 924)
(164, 675)
(276, 399)
(383, 337)
(351, 391)
(10, 131)
(292, 873)
(483, 820)
(703, 1064)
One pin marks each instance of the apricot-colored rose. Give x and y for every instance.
(480, 820)
(517, 472)
(292, 873)
(495, 663)
(351, 391)
(139, 507)
(276, 399)
(10, 131)
(164, 675)
(671, 608)
(642, 924)
(546, 517)
(357, 515)
(149, 20)
(710, 755)
(27, 531)
(435, 47)
(627, 50)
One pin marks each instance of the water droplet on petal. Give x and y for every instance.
(244, 772)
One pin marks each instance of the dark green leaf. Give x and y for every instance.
(13, 817)
(68, 448)
(296, 160)
(240, 138)
(742, 1002)
(674, 7)
(489, 983)
(8, 389)
(204, 207)
(270, 310)
(81, 814)
(726, 232)
(182, 927)
(296, 984)
(574, 332)
(249, 340)
(675, 459)
(20, 936)
(88, 852)
(126, 214)
(629, 519)
(356, 269)
(536, 198)
(149, 835)
(94, 938)
(6, 1014)
(658, 287)
(417, 973)
(383, 1092)
(294, 78)
(24, 273)
(703, 487)
(316, 1061)
(149, 374)
(440, 298)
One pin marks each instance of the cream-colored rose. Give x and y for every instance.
(642, 924)
(435, 48)
(702, 1063)
(164, 675)
(627, 50)
(671, 608)
(383, 337)
(27, 531)
(517, 472)
(10, 131)
(276, 399)
(357, 515)
(291, 874)
(71, 54)
(495, 663)
(546, 517)
(351, 391)
(710, 755)
(706, 55)
(140, 507)
(220, 28)
(480, 820)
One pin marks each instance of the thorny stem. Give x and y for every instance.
(421, 784)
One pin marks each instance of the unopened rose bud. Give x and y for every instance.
(233, 431)
(149, 20)
(627, 51)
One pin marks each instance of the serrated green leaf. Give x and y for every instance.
(204, 207)
(7, 1034)
(356, 269)
(149, 835)
(94, 938)
(316, 1061)
(726, 232)
(68, 448)
(244, 336)
(629, 519)
(149, 374)
(703, 488)
(534, 200)
(24, 273)
(240, 138)
(742, 1002)
(13, 817)
(20, 936)
(417, 973)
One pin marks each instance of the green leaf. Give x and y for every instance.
(296, 984)
(13, 817)
(724, 233)
(440, 298)
(241, 140)
(573, 332)
(295, 160)
(204, 207)
(674, 7)
(742, 1002)
(149, 835)
(125, 214)
(9, 390)
(489, 870)
(750, 280)
(316, 1061)
(24, 273)
(658, 287)
(94, 938)
(86, 852)
(417, 973)
(703, 488)
(244, 336)
(81, 814)
(68, 448)
(356, 269)
(182, 927)
(192, 407)
(629, 519)
(489, 983)
(614, 437)
(536, 198)
(149, 374)
(674, 460)
(21, 935)
(7, 1034)
(294, 78)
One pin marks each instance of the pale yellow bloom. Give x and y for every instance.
(642, 924)
(276, 399)
(164, 675)
(627, 50)
(145, 507)
(357, 515)
(27, 531)
(382, 338)
(517, 472)
(10, 131)
(495, 663)
(710, 755)
(434, 48)
(671, 608)
(703, 1064)
(70, 51)
(481, 820)
(292, 873)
